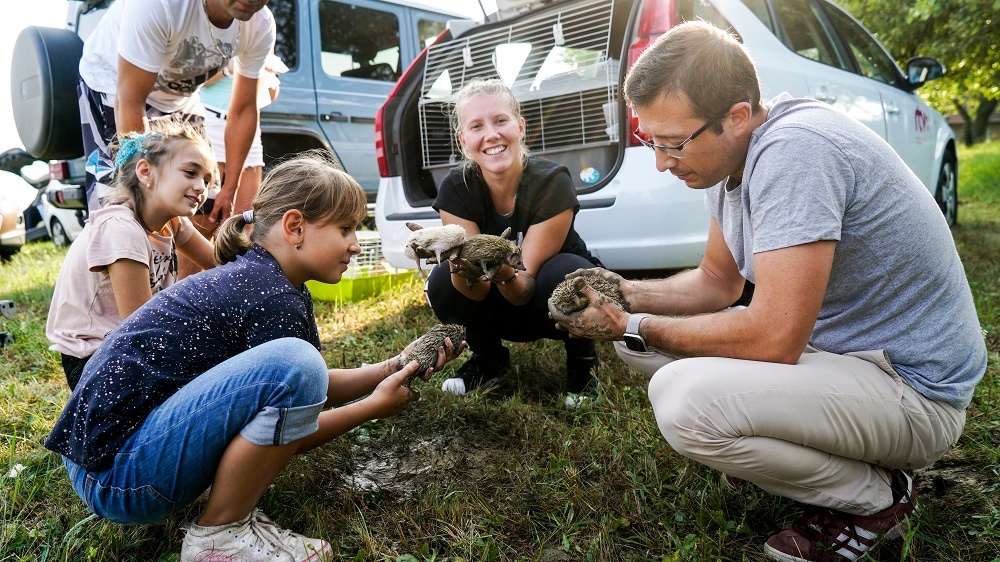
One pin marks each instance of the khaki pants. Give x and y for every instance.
(820, 432)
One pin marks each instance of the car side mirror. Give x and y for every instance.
(920, 70)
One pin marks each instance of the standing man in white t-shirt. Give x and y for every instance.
(149, 58)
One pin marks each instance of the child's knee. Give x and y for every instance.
(303, 369)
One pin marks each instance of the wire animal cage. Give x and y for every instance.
(369, 261)
(558, 66)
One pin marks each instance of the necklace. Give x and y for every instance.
(509, 213)
(215, 42)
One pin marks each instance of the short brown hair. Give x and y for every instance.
(706, 64)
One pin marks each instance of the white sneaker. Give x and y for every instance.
(575, 401)
(301, 546)
(251, 539)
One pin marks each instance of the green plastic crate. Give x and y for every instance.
(355, 288)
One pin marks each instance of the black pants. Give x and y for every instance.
(73, 367)
(494, 319)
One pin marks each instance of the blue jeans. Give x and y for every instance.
(271, 395)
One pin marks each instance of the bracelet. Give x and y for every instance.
(511, 280)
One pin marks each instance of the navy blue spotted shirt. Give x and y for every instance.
(182, 332)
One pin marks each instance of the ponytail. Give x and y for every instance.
(230, 240)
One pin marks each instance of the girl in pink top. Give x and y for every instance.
(127, 252)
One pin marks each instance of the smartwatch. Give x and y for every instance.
(633, 339)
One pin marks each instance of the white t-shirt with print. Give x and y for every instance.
(176, 40)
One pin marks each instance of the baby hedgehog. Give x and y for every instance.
(567, 299)
(486, 254)
(425, 350)
(429, 243)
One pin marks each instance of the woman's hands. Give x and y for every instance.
(464, 268)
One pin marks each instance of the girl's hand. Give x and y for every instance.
(391, 396)
(446, 353)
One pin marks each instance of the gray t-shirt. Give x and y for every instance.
(897, 282)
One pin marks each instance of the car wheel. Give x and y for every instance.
(947, 191)
(59, 236)
(7, 253)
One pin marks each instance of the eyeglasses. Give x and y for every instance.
(678, 151)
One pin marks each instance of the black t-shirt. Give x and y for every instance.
(546, 189)
(182, 332)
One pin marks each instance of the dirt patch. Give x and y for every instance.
(404, 468)
(947, 486)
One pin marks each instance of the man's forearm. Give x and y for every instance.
(689, 292)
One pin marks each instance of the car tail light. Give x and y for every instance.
(655, 18)
(380, 140)
(58, 170)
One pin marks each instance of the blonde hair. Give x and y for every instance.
(156, 147)
(310, 182)
(706, 64)
(485, 87)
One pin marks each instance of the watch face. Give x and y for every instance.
(634, 342)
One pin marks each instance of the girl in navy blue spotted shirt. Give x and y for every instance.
(218, 380)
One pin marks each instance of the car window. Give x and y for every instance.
(428, 30)
(703, 10)
(872, 60)
(759, 9)
(358, 42)
(804, 31)
(286, 21)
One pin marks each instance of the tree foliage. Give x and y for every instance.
(962, 34)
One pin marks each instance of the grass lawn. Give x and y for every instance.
(508, 475)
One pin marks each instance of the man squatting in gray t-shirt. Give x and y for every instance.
(860, 349)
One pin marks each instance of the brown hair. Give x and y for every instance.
(485, 87)
(310, 182)
(156, 147)
(706, 64)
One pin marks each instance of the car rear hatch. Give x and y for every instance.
(563, 62)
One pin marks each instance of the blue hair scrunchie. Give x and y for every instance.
(130, 145)
(248, 216)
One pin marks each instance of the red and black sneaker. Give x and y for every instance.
(827, 535)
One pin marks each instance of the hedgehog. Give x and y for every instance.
(425, 348)
(485, 254)
(429, 243)
(567, 299)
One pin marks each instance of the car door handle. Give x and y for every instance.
(334, 116)
(363, 120)
(891, 108)
(824, 95)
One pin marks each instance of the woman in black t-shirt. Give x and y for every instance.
(497, 187)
